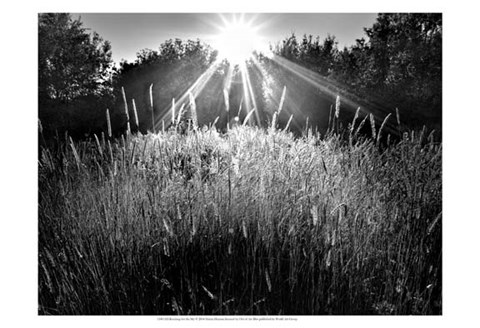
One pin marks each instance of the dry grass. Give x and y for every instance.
(253, 222)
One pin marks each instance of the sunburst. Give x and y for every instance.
(238, 40)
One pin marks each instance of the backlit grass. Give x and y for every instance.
(251, 222)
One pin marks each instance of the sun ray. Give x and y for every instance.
(248, 84)
(196, 88)
(291, 105)
(246, 93)
(333, 89)
(228, 78)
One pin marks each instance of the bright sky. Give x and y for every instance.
(129, 33)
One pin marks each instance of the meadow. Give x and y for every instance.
(255, 221)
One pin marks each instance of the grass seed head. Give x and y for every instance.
(372, 123)
(282, 99)
(226, 100)
(109, 125)
(135, 112)
(337, 107)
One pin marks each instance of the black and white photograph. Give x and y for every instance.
(240, 164)
(260, 164)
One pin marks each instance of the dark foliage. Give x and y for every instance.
(74, 75)
(399, 65)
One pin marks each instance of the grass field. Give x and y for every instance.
(251, 222)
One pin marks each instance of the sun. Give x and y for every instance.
(237, 40)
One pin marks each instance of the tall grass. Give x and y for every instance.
(252, 222)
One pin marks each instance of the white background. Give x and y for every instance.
(18, 162)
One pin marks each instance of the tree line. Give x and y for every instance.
(398, 64)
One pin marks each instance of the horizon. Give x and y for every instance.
(129, 33)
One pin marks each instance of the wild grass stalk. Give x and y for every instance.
(382, 127)
(288, 123)
(135, 114)
(99, 147)
(282, 100)
(372, 124)
(245, 121)
(352, 127)
(173, 112)
(109, 124)
(274, 122)
(193, 111)
(126, 110)
(360, 126)
(398, 118)
(152, 110)
(227, 106)
(240, 107)
(202, 223)
(226, 100)
(337, 107)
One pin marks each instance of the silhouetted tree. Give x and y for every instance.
(401, 63)
(71, 62)
(172, 70)
(398, 64)
(74, 74)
